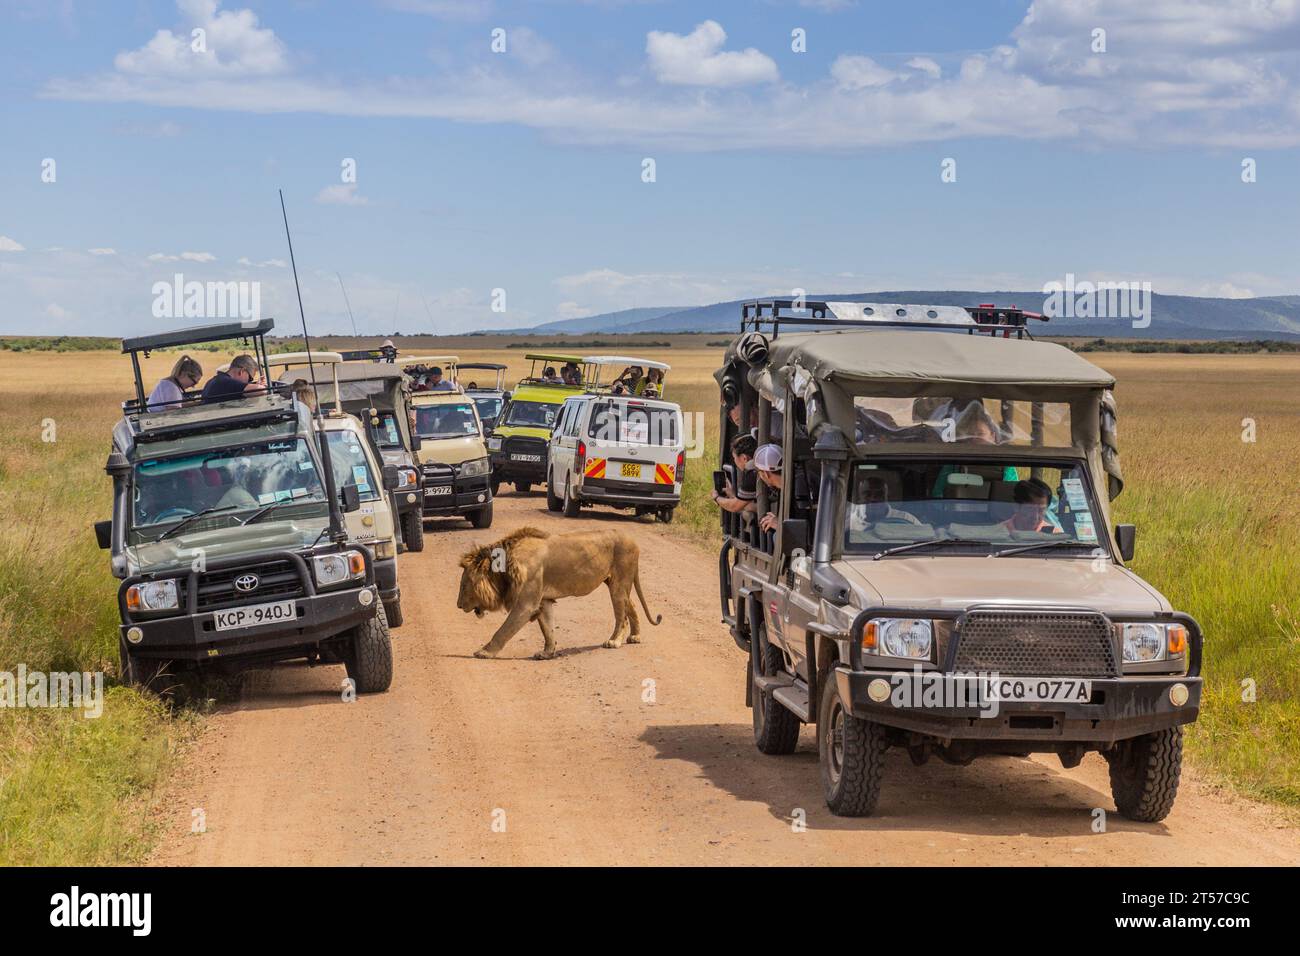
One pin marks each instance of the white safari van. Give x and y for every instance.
(617, 450)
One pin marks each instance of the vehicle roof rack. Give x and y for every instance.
(492, 366)
(381, 354)
(775, 313)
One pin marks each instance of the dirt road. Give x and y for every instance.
(638, 755)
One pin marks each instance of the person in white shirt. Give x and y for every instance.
(170, 391)
(875, 508)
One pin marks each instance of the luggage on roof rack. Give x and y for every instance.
(774, 313)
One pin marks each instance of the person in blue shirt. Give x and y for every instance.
(241, 377)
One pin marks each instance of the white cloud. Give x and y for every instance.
(57, 312)
(102, 251)
(10, 245)
(341, 194)
(264, 264)
(1203, 73)
(198, 257)
(859, 72)
(232, 44)
(697, 59)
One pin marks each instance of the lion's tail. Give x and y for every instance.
(652, 618)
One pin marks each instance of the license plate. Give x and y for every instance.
(1052, 690)
(525, 457)
(437, 490)
(255, 615)
(630, 469)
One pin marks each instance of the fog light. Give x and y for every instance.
(366, 597)
(410, 499)
(480, 498)
(878, 690)
(134, 635)
(1178, 695)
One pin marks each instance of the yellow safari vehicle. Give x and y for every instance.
(455, 469)
(519, 439)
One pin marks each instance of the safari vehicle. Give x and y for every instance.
(229, 537)
(378, 393)
(616, 450)
(941, 574)
(488, 398)
(455, 470)
(604, 370)
(356, 460)
(519, 439)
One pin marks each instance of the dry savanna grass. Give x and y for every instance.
(1218, 518)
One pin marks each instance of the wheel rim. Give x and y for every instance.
(835, 742)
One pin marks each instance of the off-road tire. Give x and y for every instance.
(370, 663)
(665, 515)
(523, 487)
(1144, 774)
(413, 531)
(139, 671)
(776, 730)
(853, 772)
(393, 611)
(553, 502)
(570, 505)
(482, 518)
(496, 486)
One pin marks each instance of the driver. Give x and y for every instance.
(1032, 497)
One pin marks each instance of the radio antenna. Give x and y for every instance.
(348, 304)
(336, 525)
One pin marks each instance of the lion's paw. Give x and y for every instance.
(544, 655)
(484, 652)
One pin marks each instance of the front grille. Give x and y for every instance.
(276, 580)
(1037, 643)
(523, 445)
(438, 474)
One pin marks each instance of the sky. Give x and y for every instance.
(478, 164)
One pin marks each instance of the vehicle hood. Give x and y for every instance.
(521, 431)
(451, 451)
(179, 552)
(959, 582)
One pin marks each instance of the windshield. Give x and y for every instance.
(531, 414)
(894, 503)
(632, 423)
(446, 421)
(226, 480)
(488, 407)
(351, 466)
(387, 434)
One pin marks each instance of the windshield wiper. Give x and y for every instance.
(1056, 543)
(190, 519)
(930, 541)
(258, 515)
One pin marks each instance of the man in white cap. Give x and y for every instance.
(768, 462)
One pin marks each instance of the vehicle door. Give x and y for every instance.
(561, 446)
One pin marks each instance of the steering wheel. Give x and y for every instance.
(172, 514)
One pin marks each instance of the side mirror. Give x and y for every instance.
(104, 534)
(390, 478)
(351, 498)
(416, 442)
(1126, 537)
(794, 536)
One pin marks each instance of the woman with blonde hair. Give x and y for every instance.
(170, 391)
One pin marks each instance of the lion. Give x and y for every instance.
(528, 570)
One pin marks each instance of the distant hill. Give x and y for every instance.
(1173, 316)
(607, 321)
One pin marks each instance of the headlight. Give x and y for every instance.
(898, 637)
(336, 568)
(475, 468)
(407, 478)
(152, 596)
(1153, 642)
(386, 549)
(494, 444)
